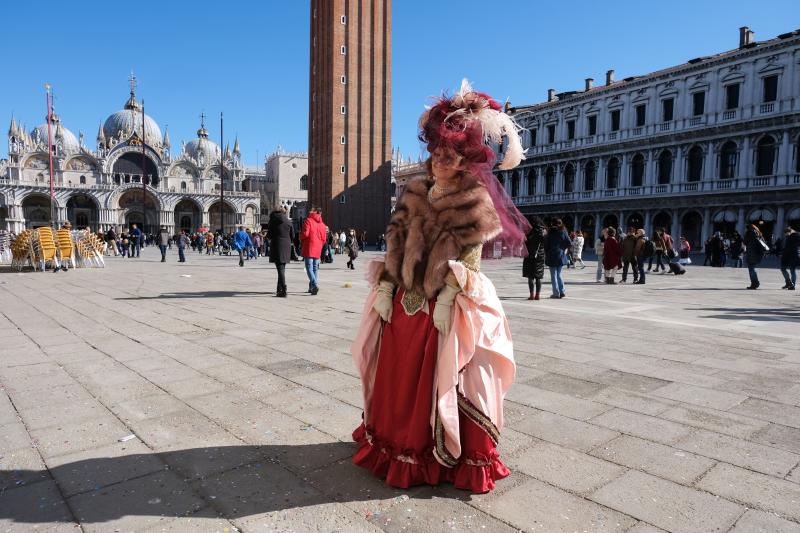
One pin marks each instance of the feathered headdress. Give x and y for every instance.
(468, 122)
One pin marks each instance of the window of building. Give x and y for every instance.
(664, 167)
(532, 182)
(589, 174)
(637, 171)
(694, 170)
(82, 180)
(667, 109)
(551, 133)
(641, 112)
(612, 173)
(592, 125)
(727, 167)
(81, 220)
(343, 79)
(732, 96)
(698, 103)
(344, 19)
(550, 180)
(343, 110)
(342, 140)
(765, 156)
(569, 178)
(515, 184)
(770, 88)
(183, 186)
(344, 49)
(304, 183)
(533, 136)
(570, 129)
(615, 115)
(342, 169)
(342, 199)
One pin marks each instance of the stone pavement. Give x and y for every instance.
(137, 399)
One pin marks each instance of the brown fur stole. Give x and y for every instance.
(422, 236)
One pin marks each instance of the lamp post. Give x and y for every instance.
(221, 178)
(48, 90)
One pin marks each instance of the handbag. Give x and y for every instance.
(763, 243)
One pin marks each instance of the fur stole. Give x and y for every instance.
(422, 237)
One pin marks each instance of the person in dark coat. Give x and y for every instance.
(351, 248)
(533, 264)
(281, 234)
(716, 250)
(556, 244)
(755, 253)
(790, 257)
(612, 256)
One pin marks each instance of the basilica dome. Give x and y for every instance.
(128, 120)
(69, 142)
(203, 148)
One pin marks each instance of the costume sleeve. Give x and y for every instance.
(471, 257)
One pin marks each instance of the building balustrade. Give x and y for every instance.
(729, 115)
(767, 108)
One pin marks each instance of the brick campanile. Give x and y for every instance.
(349, 119)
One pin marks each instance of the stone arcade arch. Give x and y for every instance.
(229, 214)
(36, 210)
(139, 207)
(692, 229)
(188, 215)
(83, 211)
(129, 168)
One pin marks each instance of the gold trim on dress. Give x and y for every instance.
(441, 450)
(412, 301)
(471, 257)
(479, 418)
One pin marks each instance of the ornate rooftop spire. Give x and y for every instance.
(13, 128)
(236, 149)
(202, 132)
(228, 150)
(166, 137)
(132, 103)
(101, 137)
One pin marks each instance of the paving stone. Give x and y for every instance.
(38, 505)
(13, 436)
(643, 527)
(628, 381)
(656, 459)
(632, 401)
(643, 426)
(755, 490)
(760, 522)
(555, 510)
(68, 437)
(780, 413)
(181, 429)
(760, 458)
(555, 402)
(565, 468)
(565, 385)
(562, 430)
(20, 467)
(719, 421)
(699, 396)
(667, 505)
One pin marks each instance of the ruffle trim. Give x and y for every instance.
(405, 468)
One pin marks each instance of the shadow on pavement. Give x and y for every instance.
(227, 481)
(203, 294)
(747, 313)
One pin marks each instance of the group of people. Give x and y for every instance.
(756, 249)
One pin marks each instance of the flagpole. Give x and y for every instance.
(221, 177)
(144, 173)
(50, 153)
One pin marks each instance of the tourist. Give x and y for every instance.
(790, 257)
(135, 239)
(629, 256)
(183, 242)
(430, 416)
(612, 256)
(351, 248)
(660, 248)
(209, 243)
(533, 264)
(258, 242)
(639, 252)
(111, 242)
(280, 234)
(556, 244)
(342, 241)
(163, 242)
(126, 245)
(716, 250)
(312, 238)
(577, 248)
(737, 249)
(241, 240)
(685, 248)
(756, 248)
(362, 240)
(599, 245)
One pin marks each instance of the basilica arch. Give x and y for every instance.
(188, 215)
(139, 207)
(36, 210)
(83, 211)
(229, 214)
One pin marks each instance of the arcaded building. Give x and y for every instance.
(710, 144)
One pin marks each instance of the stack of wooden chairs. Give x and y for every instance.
(45, 249)
(5, 247)
(22, 250)
(66, 247)
(90, 249)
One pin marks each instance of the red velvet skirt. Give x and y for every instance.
(397, 444)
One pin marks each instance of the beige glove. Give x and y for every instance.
(443, 311)
(384, 302)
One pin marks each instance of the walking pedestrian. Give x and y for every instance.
(111, 242)
(183, 242)
(241, 241)
(577, 248)
(163, 242)
(533, 264)
(790, 257)
(280, 234)
(756, 248)
(612, 256)
(342, 241)
(639, 251)
(629, 256)
(599, 245)
(351, 248)
(660, 247)
(556, 244)
(135, 239)
(737, 249)
(312, 238)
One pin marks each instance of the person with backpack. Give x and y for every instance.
(556, 244)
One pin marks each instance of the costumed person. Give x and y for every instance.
(434, 348)
(533, 264)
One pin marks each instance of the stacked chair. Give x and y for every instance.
(66, 247)
(90, 249)
(5, 247)
(45, 249)
(22, 250)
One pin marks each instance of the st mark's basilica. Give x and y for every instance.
(130, 177)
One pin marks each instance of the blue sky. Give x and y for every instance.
(250, 59)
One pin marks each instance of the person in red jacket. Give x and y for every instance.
(612, 256)
(312, 237)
